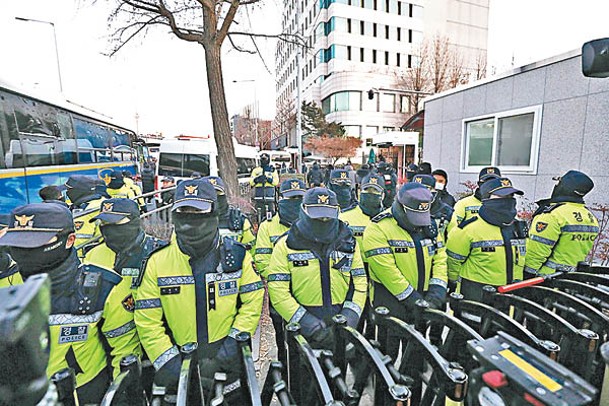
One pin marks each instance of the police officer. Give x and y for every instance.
(488, 248)
(563, 231)
(264, 180)
(117, 187)
(200, 288)
(315, 177)
(441, 183)
(125, 247)
(405, 261)
(9, 270)
(441, 213)
(391, 181)
(468, 207)
(232, 223)
(137, 190)
(86, 301)
(86, 195)
(316, 270)
(340, 183)
(291, 192)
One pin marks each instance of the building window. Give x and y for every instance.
(386, 32)
(368, 142)
(387, 129)
(386, 58)
(374, 30)
(353, 130)
(404, 103)
(410, 36)
(342, 101)
(410, 61)
(348, 53)
(397, 60)
(369, 131)
(399, 34)
(387, 103)
(361, 55)
(349, 25)
(362, 30)
(374, 56)
(509, 140)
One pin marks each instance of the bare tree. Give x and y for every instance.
(285, 119)
(416, 77)
(457, 73)
(481, 66)
(204, 22)
(439, 63)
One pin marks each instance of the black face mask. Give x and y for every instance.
(400, 216)
(120, 237)
(499, 212)
(5, 259)
(264, 162)
(222, 205)
(34, 261)
(343, 195)
(195, 233)
(116, 184)
(562, 194)
(371, 203)
(317, 230)
(289, 210)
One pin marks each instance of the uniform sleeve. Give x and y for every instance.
(278, 278)
(439, 270)
(251, 295)
(541, 243)
(381, 263)
(457, 250)
(119, 325)
(359, 281)
(248, 237)
(275, 178)
(149, 319)
(264, 249)
(457, 217)
(255, 174)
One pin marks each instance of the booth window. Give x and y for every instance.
(509, 140)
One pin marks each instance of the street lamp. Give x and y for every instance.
(255, 109)
(32, 20)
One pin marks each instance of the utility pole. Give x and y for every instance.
(298, 97)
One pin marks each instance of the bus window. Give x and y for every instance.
(95, 135)
(196, 163)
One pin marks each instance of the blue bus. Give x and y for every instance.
(42, 143)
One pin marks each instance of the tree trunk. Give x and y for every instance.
(227, 164)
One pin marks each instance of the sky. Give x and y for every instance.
(162, 79)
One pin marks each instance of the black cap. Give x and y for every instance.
(195, 193)
(441, 172)
(374, 181)
(411, 170)
(320, 202)
(116, 175)
(425, 168)
(216, 182)
(34, 225)
(117, 210)
(340, 176)
(81, 182)
(426, 180)
(292, 187)
(488, 173)
(576, 181)
(416, 200)
(168, 179)
(499, 187)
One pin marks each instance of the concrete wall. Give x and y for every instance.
(574, 127)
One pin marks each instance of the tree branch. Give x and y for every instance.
(188, 35)
(228, 19)
(239, 48)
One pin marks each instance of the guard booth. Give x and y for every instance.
(400, 148)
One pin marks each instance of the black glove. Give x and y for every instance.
(229, 349)
(260, 179)
(528, 275)
(411, 301)
(269, 180)
(436, 296)
(352, 317)
(310, 325)
(323, 339)
(452, 286)
(169, 374)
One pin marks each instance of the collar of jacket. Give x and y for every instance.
(297, 240)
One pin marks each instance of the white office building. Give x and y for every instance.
(358, 45)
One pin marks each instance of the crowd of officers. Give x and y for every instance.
(326, 251)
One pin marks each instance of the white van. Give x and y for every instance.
(179, 158)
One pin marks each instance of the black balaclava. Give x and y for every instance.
(45, 259)
(499, 212)
(117, 182)
(5, 259)
(264, 161)
(343, 194)
(319, 231)
(289, 210)
(195, 232)
(560, 193)
(222, 208)
(400, 216)
(121, 237)
(371, 203)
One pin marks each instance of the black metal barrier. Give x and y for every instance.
(126, 389)
(513, 373)
(449, 378)
(65, 382)
(249, 383)
(275, 384)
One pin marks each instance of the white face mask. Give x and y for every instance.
(440, 186)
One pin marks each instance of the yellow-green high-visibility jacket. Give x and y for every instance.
(125, 192)
(268, 234)
(560, 237)
(215, 301)
(357, 221)
(137, 191)
(465, 209)
(86, 231)
(245, 235)
(130, 265)
(300, 280)
(257, 171)
(392, 258)
(10, 276)
(99, 305)
(476, 251)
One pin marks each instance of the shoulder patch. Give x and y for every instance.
(467, 222)
(129, 303)
(232, 254)
(381, 216)
(94, 273)
(551, 207)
